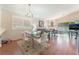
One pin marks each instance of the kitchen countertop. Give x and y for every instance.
(2, 31)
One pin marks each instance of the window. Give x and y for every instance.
(21, 23)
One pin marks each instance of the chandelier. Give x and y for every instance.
(28, 11)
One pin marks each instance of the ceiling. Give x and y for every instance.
(50, 11)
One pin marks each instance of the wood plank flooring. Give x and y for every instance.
(57, 49)
(53, 49)
(10, 49)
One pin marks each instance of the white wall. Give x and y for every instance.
(7, 24)
(7, 17)
(0, 16)
(0, 25)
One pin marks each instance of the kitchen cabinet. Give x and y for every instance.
(1, 34)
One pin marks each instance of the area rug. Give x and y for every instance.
(28, 49)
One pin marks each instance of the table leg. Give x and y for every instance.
(33, 43)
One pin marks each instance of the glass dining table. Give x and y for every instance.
(32, 36)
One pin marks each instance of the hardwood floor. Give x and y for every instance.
(10, 49)
(53, 49)
(57, 49)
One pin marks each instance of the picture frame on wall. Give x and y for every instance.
(41, 23)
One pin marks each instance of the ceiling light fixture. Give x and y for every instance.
(28, 11)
